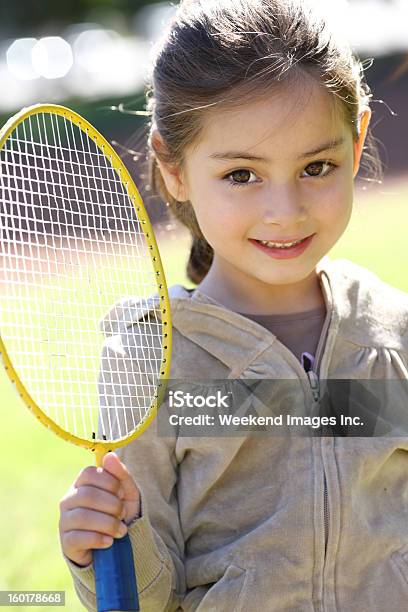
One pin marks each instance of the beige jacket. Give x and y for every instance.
(266, 523)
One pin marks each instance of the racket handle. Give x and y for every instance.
(115, 577)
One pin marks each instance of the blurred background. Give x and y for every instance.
(93, 56)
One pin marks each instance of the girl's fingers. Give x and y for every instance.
(78, 545)
(93, 510)
(113, 466)
(109, 492)
(93, 498)
(113, 477)
(90, 520)
(98, 477)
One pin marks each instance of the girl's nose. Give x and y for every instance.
(284, 207)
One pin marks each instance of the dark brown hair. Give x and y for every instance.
(221, 53)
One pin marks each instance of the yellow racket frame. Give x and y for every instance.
(100, 447)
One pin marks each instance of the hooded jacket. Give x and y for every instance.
(315, 523)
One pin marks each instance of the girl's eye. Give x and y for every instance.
(316, 168)
(319, 169)
(240, 178)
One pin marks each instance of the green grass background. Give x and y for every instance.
(37, 468)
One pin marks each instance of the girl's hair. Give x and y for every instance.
(221, 53)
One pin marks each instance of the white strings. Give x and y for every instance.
(72, 247)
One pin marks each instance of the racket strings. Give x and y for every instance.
(71, 246)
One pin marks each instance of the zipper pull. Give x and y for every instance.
(308, 362)
(315, 384)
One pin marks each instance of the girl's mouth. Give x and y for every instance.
(293, 249)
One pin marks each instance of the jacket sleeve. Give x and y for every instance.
(156, 537)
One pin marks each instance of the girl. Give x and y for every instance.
(259, 121)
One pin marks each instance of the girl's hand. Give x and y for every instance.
(96, 508)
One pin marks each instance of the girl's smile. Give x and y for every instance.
(293, 248)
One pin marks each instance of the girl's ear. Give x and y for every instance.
(170, 172)
(365, 117)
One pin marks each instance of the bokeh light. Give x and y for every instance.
(19, 59)
(52, 57)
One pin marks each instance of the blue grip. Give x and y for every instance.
(115, 577)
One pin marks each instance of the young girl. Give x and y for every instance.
(259, 120)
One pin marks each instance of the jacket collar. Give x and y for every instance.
(231, 337)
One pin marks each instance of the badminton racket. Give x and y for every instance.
(76, 243)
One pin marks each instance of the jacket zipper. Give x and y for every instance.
(326, 513)
(313, 376)
(315, 387)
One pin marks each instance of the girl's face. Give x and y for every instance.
(267, 172)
